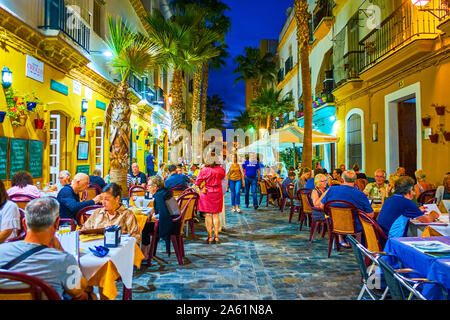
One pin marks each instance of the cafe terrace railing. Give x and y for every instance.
(407, 23)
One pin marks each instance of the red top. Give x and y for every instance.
(212, 200)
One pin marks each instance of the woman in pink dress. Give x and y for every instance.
(211, 197)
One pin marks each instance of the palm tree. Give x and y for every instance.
(216, 21)
(174, 37)
(302, 17)
(215, 63)
(215, 114)
(270, 105)
(242, 121)
(252, 67)
(133, 53)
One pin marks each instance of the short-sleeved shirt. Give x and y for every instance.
(374, 191)
(394, 207)
(58, 268)
(251, 168)
(310, 184)
(349, 194)
(10, 218)
(138, 179)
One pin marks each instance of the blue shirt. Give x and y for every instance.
(284, 186)
(352, 195)
(69, 202)
(176, 180)
(251, 168)
(394, 207)
(150, 162)
(98, 181)
(310, 184)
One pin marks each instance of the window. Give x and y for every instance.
(98, 18)
(354, 141)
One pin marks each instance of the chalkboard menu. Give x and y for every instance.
(17, 156)
(83, 169)
(35, 158)
(3, 157)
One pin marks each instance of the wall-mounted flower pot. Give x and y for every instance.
(434, 137)
(77, 130)
(2, 116)
(22, 120)
(447, 136)
(137, 138)
(31, 105)
(146, 133)
(91, 133)
(39, 123)
(426, 121)
(440, 110)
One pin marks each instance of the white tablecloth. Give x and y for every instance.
(122, 257)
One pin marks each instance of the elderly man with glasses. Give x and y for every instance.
(377, 190)
(69, 197)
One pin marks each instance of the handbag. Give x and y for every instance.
(172, 206)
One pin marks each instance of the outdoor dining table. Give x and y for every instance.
(103, 272)
(417, 253)
(440, 227)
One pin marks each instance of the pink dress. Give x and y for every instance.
(212, 201)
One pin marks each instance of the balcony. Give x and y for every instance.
(322, 20)
(59, 16)
(406, 35)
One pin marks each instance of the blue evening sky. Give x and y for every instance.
(252, 20)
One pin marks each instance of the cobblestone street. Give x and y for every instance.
(261, 257)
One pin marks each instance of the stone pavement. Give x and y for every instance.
(261, 257)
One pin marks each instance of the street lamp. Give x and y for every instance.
(6, 77)
(84, 105)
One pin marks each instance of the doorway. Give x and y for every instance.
(55, 147)
(407, 135)
(403, 140)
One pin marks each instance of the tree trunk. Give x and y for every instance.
(177, 107)
(196, 95)
(301, 16)
(119, 137)
(204, 97)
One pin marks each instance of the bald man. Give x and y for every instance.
(69, 198)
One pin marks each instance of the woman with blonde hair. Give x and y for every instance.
(422, 185)
(320, 188)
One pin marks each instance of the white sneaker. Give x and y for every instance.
(233, 210)
(238, 210)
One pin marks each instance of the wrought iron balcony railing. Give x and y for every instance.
(288, 64)
(58, 15)
(404, 25)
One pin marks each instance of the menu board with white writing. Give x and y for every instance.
(17, 156)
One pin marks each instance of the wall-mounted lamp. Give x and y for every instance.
(84, 105)
(6, 77)
(170, 99)
(106, 53)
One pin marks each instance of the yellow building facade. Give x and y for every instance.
(75, 85)
(386, 112)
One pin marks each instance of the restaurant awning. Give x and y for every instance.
(284, 138)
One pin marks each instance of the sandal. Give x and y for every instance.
(209, 241)
(344, 244)
(216, 240)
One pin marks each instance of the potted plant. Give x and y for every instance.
(15, 108)
(446, 135)
(32, 101)
(39, 110)
(77, 126)
(426, 120)
(440, 110)
(434, 137)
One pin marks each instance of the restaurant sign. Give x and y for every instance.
(35, 69)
